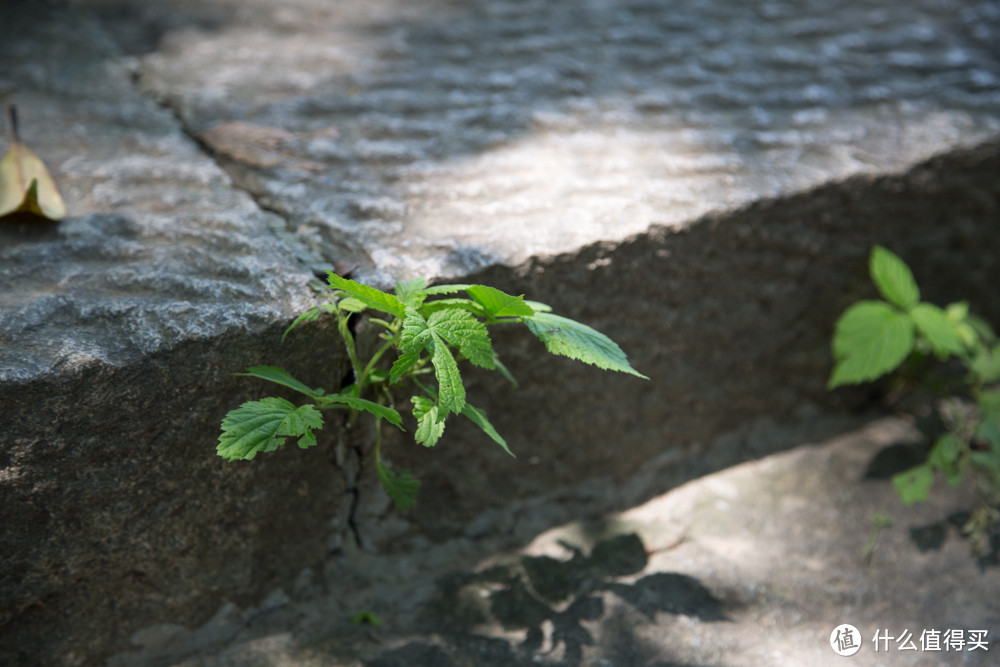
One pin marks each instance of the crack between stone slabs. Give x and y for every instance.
(308, 261)
(355, 488)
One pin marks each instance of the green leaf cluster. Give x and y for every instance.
(874, 338)
(430, 332)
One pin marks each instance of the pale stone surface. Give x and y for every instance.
(447, 137)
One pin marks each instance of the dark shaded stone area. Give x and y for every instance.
(117, 511)
(731, 319)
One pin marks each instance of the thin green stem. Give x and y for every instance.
(345, 333)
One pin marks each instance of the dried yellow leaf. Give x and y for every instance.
(25, 184)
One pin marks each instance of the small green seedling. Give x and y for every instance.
(367, 618)
(429, 331)
(874, 338)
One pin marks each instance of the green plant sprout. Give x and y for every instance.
(430, 332)
(874, 338)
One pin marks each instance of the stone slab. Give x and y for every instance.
(701, 183)
(436, 138)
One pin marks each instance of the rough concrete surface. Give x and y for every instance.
(754, 565)
(701, 181)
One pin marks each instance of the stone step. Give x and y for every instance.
(702, 183)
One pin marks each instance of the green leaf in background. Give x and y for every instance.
(982, 328)
(499, 304)
(261, 426)
(451, 391)
(363, 405)
(351, 305)
(572, 339)
(914, 484)
(893, 278)
(957, 311)
(282, 377)
(871, 339)
(989, 402)
(935, 325)
(538, 306)
(430, 427)
(308, 316)
(986, 363)
(371, 297)
(946, 456)
(411, 292)
(400, 486)
(466, 333)
(478, 417)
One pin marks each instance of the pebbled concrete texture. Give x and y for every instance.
(700, 182)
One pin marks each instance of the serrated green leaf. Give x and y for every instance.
(307, 440)
(478, 417)
(893, 278)
(363, 405)
(401, 486)
(446, 289)
(351, 305)
(261, 426)
(282, 377)
(914, 484)
(412, 292)
(451, 391)
(935, 325)
(430, 427)
(499, 304)
(403, 364)
(572, 339)
(416, 335)
(466, 333)
(871, 339)
(430, 307)
(370, 296)
(308, 316)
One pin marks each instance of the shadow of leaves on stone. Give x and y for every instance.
(932, 537)
(541, 595)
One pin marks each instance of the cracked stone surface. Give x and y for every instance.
(702, 183)
(754, 565)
